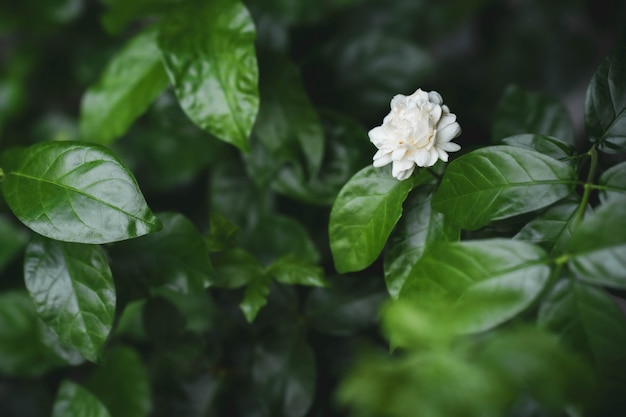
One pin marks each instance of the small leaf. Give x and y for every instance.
(547, 145)
(208, 50)
(77, 192)
(122, 384)
(255, 296)
(235, 268)
(72, 400)
(364, 214)
(486, 281)
(128, 85)
(521, 111)
(498, 182)
(296, 271)
(614, 181)
(418, 228)
(605, 104)
(73, 290)
(597, 247)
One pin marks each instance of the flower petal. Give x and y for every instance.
(378, 136)
(382, 158)
(449, 132)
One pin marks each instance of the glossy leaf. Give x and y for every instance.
(12, 241)
(605, 104)
(497, 182)
(128, 85)
(418, 228)
(486, 281)
(208, 50)
(77, 192)
(364, 214)
(296, 271)
(122, 384)
(255, 296)
(72, 400)
(597, 248)
(614, 182)
(547, 145)
(521, 111)
(73, 291)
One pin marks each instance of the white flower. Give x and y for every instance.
(417, 131)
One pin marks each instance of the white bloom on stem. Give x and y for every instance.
(417, 131)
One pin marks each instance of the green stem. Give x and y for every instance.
(588, 186)
(1, 175)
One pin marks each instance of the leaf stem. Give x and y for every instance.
(588, 186)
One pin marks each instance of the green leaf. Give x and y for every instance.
(498, 182)
(605, 104)
(235, 268)
(122, 384)
(520, 111)
(614, 182)
(546, 145)
(588, 320)
(255, 296)
(418, 228)
(364, 214)
(128, 85)
(296, 271)
(487, 282)
(12, 241)
(77, 192)
(72, 400)
(208, 50)
(597, 247)
(73, 291)
(284, 373)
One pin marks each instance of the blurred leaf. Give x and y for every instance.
(614, 179)
(74, 401)
(130, 323)
(553, 227)
(222, 233)
(498, 182)
(208, 50)
(120, 12)
(122, 384)
(73, 291)
(284, 373)
(163, 322)
(235, 268)
(597, 247)
(76, 192)
(605, 104)
(130, 83)
(255, 296)
(486, 282)
(345, 307)
(418, 228)
(12, 241)
(296, 271)
(520, 111)
(176, 256)
(364, 214)
(546, 145)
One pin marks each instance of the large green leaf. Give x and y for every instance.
(72, 400)
(520, 112)
(418, 228)
(77, 192)
(12, 241)
(122, 384)
(498, 182)
(128, 85)
(597, 247)
(486, 281)
(613, 181)
(73, 290)
(208, 50)
(605, 104)
(364, 214)
(547, 145)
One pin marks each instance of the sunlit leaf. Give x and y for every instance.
(77, 192)
(296, 271)
(498, 182)
(614, 182)
(129, 84)
(72, 400)
(73, 291)
(208, 50)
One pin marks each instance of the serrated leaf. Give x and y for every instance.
(208, 50)
(605, 104)
(12, 241)
(597, 247)
(418, 228)
(520, 111)
(73, 291)
(498, 182)
(547, 145)
(72, 400)
(296, 271)
(613, 181)
(486, 281)
(76, 192)
(129, 84)
(364, 214)
(255, 296)
(122, 384)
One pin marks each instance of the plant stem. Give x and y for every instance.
(588, 186)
